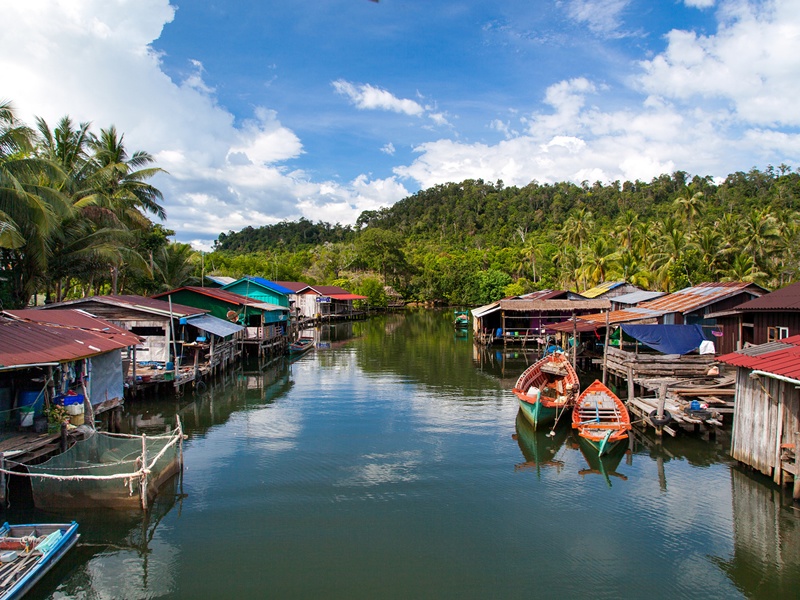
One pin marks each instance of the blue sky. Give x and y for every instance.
(269, 110)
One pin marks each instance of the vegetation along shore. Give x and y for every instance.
(79, 216)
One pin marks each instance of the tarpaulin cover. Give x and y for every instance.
(669, 339)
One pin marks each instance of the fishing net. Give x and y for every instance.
(106, 470)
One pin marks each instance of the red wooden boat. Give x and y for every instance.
(546, 389)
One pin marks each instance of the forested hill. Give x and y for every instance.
(287, 235)
(478, 213)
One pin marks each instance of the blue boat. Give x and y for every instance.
(27, 552)
(302, 345)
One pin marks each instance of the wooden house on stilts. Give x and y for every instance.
(766, 420)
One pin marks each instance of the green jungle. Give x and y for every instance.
(78, 216)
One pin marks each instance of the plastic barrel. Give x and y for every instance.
(30, 404)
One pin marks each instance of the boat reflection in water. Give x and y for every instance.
(539, 448)
(605, 465)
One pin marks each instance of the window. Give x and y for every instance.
(777, 333)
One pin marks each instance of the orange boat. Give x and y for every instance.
(601, 418)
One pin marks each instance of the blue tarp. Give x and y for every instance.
(669, 339)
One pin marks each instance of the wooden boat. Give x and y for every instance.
(303, 344)
(27, 552)
(601, 418)
(461, 319)
(546, 389)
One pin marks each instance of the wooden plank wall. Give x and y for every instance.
(766, 415)
(658, 365)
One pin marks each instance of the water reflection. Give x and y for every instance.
(766, 539)
(539, 448)
(606, 466)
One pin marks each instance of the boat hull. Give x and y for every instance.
(601, 418)
(537, 414)
(39, 566)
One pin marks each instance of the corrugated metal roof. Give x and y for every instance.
(601, 289)
(695, 297)
(29, 342)
(76, 319)
(294, 286)
(524, 305)
(786, 298)
(216, 293)
(214, 325)
(270, 285)
(780, 358)
(220, 279)
(626, 315)
(141, 303)
(348, 297)
(543, 295)
(637, 297)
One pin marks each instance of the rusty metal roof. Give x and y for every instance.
(543, 295)
(786, 298)
(701, 295)
(142, 303)
(776, 358)
(65, 338)
(76, 319)
(626, 315)
(216, 293)
(600, 289)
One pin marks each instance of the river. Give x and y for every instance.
(391, 463)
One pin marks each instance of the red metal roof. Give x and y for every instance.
(787, 298)
(25, 342)
(217, 293)
(348, 297)
(149, 305)
(626, 315)
(695, 297)
(778, 358)
(295, 286)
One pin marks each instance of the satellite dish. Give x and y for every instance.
(233, 316)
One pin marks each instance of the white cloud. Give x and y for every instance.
(601, 16)
(93, 60)
(750, 64)
(699, 3)
(388, 149)
(715, 104)
(369, 97)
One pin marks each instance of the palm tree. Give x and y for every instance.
(598, 260)
(690, 206)
(626, 227)
(578, 227)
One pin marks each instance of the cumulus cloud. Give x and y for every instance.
(710, 105)
(93, 60)
(369, 97)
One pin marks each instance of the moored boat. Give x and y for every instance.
(546, 389)
(303, 344)
(601, 418)
(461, 319)
(27, 552)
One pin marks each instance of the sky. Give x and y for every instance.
(262, 111)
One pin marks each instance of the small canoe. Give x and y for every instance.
(601, 418)
(27, 552)
(546, 389)
(303, 344)
(461, 319)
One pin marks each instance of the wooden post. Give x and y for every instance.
(3, 480)
(662, 399)
(574, 339)
(503, 330)
(143, 482)
(63, 437)
(631, 385)
(605, 352)
(796, 488)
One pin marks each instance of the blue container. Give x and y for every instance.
(694, 405)
(33, 398)
(76, 399)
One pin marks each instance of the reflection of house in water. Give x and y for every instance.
(766, 541)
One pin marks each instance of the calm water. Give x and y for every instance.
(391, 463)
